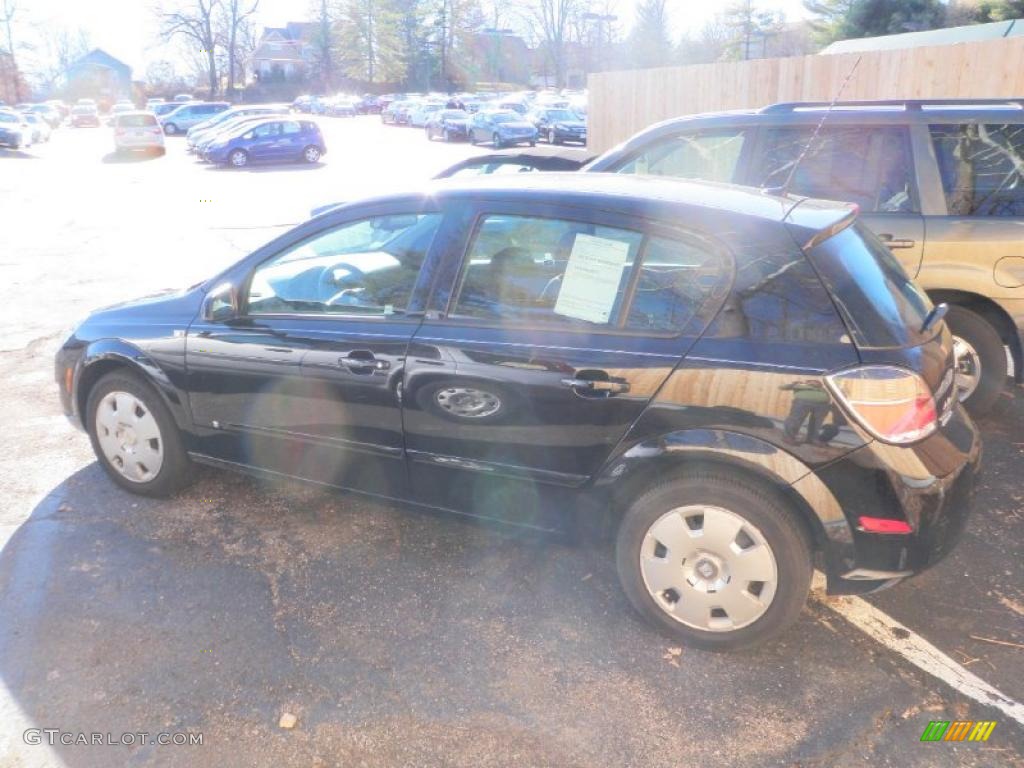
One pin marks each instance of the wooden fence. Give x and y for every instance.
(622, 103)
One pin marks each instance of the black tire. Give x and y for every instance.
(175, 472)
(761, 508)
(311, 154)
(496, 141)
(170, 129)
(552, 139)
(238, 153)
(977, 332)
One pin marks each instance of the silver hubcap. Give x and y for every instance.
(129, 436)
(312, 154)
(708, 568)
(238, 158)
(968, 368)
(468, 402)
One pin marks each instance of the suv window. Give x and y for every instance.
(708, 155)
(981, 168)
(866, 165)
(367, 267)
(533, 270)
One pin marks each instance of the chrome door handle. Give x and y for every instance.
(363, 361)
(592, 385)
(894, 242)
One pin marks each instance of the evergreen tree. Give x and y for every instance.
(650, 44)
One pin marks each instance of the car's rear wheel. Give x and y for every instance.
(981, 360)
(311, 154)
(170, 129)
(552, 139)
(134, 436)
(238, 158)
(714, 561)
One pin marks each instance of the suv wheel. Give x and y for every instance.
(980, 360)
(134, 436)
(713, 561)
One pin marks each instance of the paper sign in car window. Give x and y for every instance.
(591, 280)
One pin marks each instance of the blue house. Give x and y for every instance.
(98, 75)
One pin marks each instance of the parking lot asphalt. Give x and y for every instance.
(394, 636)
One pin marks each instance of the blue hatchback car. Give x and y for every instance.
(271, 140)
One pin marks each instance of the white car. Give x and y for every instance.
(139, 131)
(39, 127)
(419, 114)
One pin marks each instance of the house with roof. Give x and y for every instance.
(285, 53)
(98, 75)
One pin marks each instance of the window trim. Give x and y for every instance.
(646, 228)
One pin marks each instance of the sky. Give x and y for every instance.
(127, 29)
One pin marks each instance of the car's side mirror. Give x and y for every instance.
(221, 304)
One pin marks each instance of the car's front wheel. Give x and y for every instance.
(552, 139)
(134, 436)
(170, 129)
(714, 561)
(980, 360)
(238, 158)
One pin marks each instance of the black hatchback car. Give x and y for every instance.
(739, 386)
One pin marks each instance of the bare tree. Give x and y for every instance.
(57, 49)
(195, 21)
(553, 20)
(8, 10)
(234, 16)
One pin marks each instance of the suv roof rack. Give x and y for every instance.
(907, 104)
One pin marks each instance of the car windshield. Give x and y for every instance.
(504, 117)
(561, 114)
(7, 117)
(83, 110)
(454, 114)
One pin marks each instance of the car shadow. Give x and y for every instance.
(218, 610)
(266, 167)
(118, 158)
(17, 154)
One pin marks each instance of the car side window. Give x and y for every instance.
(523, 270)
(366, 267)
(705, 155)
(290, 128)
(265, 131)
(866, 165)
(981, 167)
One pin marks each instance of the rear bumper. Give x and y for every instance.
(929, 485)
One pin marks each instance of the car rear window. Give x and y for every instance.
(136, 121)
(881, 305)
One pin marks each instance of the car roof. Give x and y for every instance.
(665, 200)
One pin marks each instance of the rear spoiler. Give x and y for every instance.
(813, 222)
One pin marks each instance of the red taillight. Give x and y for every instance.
(883, 525)
(893, 404)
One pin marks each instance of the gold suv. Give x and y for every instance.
(940, 182)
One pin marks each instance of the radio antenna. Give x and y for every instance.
(810, 142)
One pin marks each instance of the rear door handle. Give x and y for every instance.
(894, 242)
(592, 385)
(363, 361)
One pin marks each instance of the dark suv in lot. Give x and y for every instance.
(739, 386)
(941, 182)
